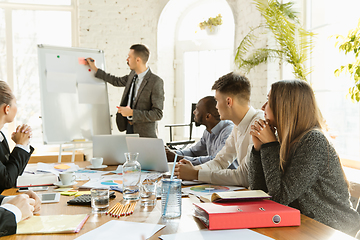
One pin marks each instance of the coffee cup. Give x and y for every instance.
(67, 177)
(96, 162)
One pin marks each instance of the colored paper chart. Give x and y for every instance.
(112, 182)
(209, 188)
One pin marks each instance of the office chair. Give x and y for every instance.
(184, 143)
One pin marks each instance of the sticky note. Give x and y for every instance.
(82, 61)
(81, 193)
(62, 166)
(68, 193)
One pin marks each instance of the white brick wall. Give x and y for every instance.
(247, 16)
(114, 25)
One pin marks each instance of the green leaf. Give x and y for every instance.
(294, 42)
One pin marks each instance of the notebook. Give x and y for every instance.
(52, 224)
(111, 147)
(151, 153)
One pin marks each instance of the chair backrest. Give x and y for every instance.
(193, 106)
(192, 120)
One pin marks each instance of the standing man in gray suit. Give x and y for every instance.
(142, 102)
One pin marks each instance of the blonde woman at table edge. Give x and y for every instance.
(298, 166)
(12, 164)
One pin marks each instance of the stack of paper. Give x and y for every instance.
(238, 196)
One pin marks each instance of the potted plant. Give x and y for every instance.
(211, 25)
(351, 44)
(293, 42)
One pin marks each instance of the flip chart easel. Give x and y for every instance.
(74, 104)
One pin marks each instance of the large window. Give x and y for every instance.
(201, 57)
(23, 25)
(328, 18)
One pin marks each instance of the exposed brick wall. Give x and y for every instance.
(115, 25)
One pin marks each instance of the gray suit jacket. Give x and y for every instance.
(148, 104)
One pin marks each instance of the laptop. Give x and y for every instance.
(111, 147)
(151, 153)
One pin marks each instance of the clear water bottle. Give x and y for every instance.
(131, 177)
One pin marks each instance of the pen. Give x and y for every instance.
(91, 60)
(116, 188)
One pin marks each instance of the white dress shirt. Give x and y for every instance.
(26, 148)
(238, 145)
(12, 208)
(137, 84)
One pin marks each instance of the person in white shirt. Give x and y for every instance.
(14, 209)
(232, 93)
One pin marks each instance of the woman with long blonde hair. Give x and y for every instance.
(293, 161)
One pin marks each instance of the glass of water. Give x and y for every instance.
(148, 192)
(99, 200)
(171, 198)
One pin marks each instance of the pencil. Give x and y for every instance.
(132, 207)
(116, 210)
(129, 209)
(112, 208)
(123, 212)
(116, 214)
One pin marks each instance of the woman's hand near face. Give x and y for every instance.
(255, 139)
(263, 132)
(22, 135)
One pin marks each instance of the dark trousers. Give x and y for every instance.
(129, 128)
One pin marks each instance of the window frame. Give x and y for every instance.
(8, 8)
(307, 18)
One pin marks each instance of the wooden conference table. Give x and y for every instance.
(309, 228)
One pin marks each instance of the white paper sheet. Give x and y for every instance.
(216, 235)
(104, 181)
(208, 189)
(122, 230)
(92, 93)
(190, 183)
(115, 180)
(61, 82)
(49, 167)
(61, 63)
(83, 175)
